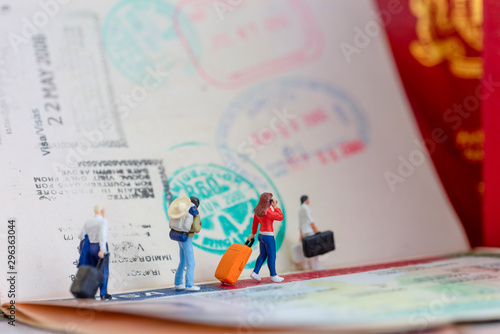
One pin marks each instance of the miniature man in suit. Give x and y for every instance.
(93, 245)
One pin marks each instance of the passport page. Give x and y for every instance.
(133, 103)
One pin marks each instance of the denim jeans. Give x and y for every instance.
(89, 257)
(267, 247)
(186, 260)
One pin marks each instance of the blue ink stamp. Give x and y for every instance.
(290, 124)
(140, 40)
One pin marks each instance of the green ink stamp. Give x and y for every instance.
(226, 204)
(227, 198)
(140, 40)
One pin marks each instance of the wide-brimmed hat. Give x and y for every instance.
(179, 207)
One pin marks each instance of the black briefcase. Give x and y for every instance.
(88, 279)
(318, 244)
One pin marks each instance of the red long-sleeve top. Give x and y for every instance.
(266, 222)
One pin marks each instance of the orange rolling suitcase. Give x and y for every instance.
(233, 261)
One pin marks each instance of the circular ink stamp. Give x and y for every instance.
(288, 125)
(227, 199)
(140, 41)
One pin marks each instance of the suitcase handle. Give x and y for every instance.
(102, 262)
(249, 243)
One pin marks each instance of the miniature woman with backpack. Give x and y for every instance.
(184, 223)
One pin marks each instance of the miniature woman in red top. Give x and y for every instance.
(265, 215)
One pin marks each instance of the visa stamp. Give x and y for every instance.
(289, 124)
(227, 199)
(70, 105)
(139, 39)
(113, 180)
(243, 48)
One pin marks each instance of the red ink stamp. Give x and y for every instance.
(257, 39)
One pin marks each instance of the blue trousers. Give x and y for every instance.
(186, 255)
(267, 247)
(89, 256)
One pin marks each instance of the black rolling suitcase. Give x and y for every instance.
(88, 279)
(320, 243)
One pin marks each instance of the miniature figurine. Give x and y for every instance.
(94, 244)
(266, 212)
(307, 228)
(184, 223)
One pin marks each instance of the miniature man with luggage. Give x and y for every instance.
(184, 223)
(314, 243)
(308, 228)
(93, 247)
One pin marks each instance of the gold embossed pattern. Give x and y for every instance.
(449, 31)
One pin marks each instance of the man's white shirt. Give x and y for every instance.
(97, 230)
(305, 220)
